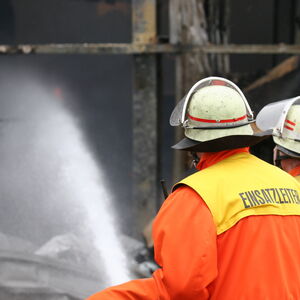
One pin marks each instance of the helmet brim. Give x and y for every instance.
(223, 143)
(288, 152)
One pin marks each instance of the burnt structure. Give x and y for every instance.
(150, 48)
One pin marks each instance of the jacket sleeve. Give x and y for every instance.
(141, 289)
(185, 247)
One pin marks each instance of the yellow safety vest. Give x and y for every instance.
(243, 185)
(297, 178)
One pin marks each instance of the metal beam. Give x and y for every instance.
(145, 117)
(136, 48)
(250, 49)
(148, 48)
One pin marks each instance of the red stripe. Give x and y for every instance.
(289, 128)
(290, 122)
(219, 121)
(218, 82)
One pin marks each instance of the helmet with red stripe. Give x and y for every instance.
(283, 118)
(215, 116)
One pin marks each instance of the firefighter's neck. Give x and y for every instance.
(290, 164)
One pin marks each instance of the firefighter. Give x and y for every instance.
(232, 230)
(283, 118)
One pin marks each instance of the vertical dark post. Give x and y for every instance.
(145, 136)
(187, 26)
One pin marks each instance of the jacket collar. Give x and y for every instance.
(210, 158)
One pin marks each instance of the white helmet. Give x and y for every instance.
(283, 118)
(216, 116)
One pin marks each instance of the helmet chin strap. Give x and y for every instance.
(195, 160)
(277, 157)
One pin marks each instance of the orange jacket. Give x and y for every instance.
(242, 263)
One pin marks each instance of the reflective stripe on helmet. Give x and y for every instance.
(289, 128)
(290, 122)
(217, 121)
